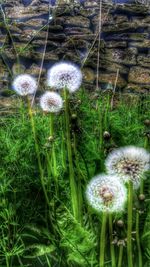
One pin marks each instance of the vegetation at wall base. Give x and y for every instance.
(36, 233)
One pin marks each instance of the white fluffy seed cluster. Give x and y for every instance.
(64, 75)
(128, 163)
(51, 102)
(24, 84)
(105, 193)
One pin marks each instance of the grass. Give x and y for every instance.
(37, 232)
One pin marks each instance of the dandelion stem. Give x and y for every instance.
(39, 160)
(146, 144)
(101, 137)
(102, 240)
(137, 217)
(120, 256)
(106, 113)
(37, 150)
(80, 200)
(7, 261)
(51, 124)
(142, 186)
(69, 150)
(63, 150)
(138, 241)
(22, 109)
(53, 154)
(63, 143)
(112, 249)
(129, 228)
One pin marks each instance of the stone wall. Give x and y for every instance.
(121, 55)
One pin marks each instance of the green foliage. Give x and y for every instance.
(38, 233)
(79, 243)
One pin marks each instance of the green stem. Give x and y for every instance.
(112, 249)
(137, 216)
(146, 143)
(7, 261)
(138, 240)
(80, 199)
(63, 148)
(137, 228)
(22, 109)
(102, 240)
(120, 256)
(106, 114)
(101, 151)
(52, 124)
(37, 151)
(142, 186)
(39, 163)
(53, 153)
(73, 186)
(129, 229)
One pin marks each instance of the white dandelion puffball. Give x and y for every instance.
(64, 75)
(106, 193)
(129, 163)
(51, 102)
(24, 84)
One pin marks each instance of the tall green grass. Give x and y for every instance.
(37, 223)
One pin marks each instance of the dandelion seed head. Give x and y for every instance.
(51, 102)
(129, 163)
(64, 75)
(24, 84)
(106, 193)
